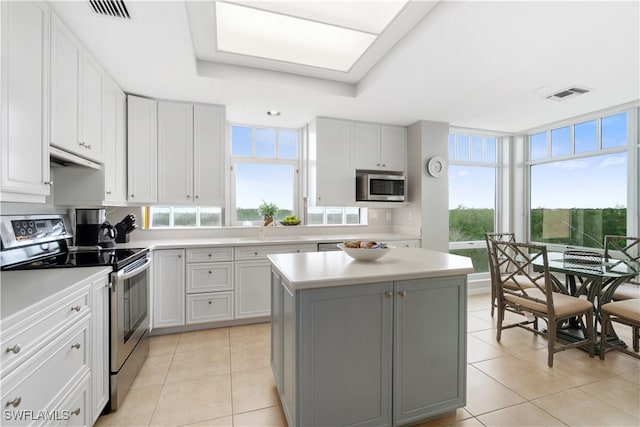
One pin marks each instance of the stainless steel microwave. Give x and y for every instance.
(380, 188)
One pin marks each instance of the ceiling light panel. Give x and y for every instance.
(371, 17)
(259, 33)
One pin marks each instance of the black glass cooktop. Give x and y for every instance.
(117, 258)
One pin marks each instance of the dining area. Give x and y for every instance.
(573, 299)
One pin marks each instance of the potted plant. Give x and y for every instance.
(268, 211)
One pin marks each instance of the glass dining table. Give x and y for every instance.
(597, 280)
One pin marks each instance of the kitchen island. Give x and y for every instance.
(369, 343)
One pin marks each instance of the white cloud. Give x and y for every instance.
(612, 162)
(571, 165)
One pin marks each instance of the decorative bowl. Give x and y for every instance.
(365, 254)
(290, 223)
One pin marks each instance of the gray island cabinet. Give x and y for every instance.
(369, 343)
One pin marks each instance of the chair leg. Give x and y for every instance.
(551, 340)
(591, 332)
(493, 298)
(603, 333)
(501, 309)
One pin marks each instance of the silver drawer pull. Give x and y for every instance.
(255, 253)
(76, 308)
(388, 294)
(15, 349)
(209, 255)
(76, 412)
(210, 272)
(15, 402)
(402, 294)
(209, 302)
(76, 346)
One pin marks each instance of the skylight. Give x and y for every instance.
(305, 33)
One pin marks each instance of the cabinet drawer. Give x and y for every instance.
(38, 382)
(209, 254)
(25, 338)
(74, 408)
(209, 307)
(261, 252)
(209, 277)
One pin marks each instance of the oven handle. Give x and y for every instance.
(121, 275)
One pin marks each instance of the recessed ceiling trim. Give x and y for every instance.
(202, 17)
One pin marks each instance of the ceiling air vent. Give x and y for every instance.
(568, 93)
(114, 8)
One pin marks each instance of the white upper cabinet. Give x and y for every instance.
(76, 95)
(142, 150)
(332, 142)
(190, 154)
(114, 143)
(209, 154)
(24, 133)
(175, 153)
(380, 147)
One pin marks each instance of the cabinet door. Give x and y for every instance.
(253, 296)
(175, 153)
(24, 97)
(208, 155)
(277, 294)
(289, 356)
(120, 190)
(367, 140)
(335, 171)
(393, 145)
(209, 277)
(168, 288)
(429, 347)
(142, 149)
(91, 108)
(99, 347)
(352, 326)
(66, 53)
(109, 135)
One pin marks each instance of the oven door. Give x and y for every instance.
(129, 309)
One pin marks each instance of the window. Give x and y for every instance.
(336, 216)
(578, 190)
(265, 168)
(184, 216)
(472, 195)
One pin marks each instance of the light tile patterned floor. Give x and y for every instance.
(222, 377)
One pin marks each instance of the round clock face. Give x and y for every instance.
(436, 166)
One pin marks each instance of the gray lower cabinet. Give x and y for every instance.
(376, 354)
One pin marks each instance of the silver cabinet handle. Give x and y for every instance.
(133, 195)
(76, 346)
(209, 302)
(388, 294)
(179, 256)
(197, 197)
(15, 349)
(76, 412)
(188, 196)
(255, 253)
(298, 250)
(15, 402)
(384, 165)
(108, 192)
(76, 308)
(209, 255)
(402, 294)
(48, 183)
(210, 272)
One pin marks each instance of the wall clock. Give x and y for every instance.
(436, 166)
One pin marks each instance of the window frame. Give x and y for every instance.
(232, 218)
(632, 149)
(501, 140)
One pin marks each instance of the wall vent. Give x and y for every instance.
(568, 93)
(113, 8)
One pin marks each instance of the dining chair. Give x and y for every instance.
(528, 290)
(488, 237)
(626, 312)
(627, 248)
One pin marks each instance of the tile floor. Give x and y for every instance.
(222, 377)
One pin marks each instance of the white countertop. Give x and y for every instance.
(326, 269)
(20, 289)
(269, 240)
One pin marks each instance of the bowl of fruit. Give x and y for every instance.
(365, 250)
(290, 220)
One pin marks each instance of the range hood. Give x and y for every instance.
(65, 158)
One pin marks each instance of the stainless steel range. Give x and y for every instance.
(41, 241)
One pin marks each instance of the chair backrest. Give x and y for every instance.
(500, 237)
(527, 276)
(623, 247)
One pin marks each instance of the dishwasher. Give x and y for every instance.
(327, 247)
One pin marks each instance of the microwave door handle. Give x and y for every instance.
(121, 275)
